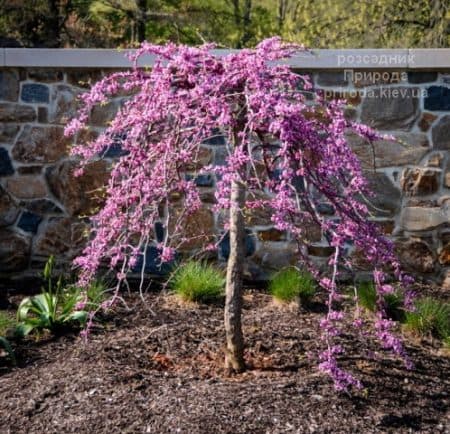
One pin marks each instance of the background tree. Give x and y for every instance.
(231, 23)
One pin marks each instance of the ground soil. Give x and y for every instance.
(161, 371)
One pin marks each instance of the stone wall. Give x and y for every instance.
(42, 205)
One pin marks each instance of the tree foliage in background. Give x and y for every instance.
(230, 23)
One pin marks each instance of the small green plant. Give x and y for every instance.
(431, 316)
(54, 309)
(48, 311)
(94, 295)
(290, 284)
(393, 303)
(198, 281)
(367, 296)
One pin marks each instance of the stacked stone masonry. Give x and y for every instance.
(42, 204)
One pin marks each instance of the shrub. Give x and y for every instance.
(431, 317)
(291, 283)
(198, 281)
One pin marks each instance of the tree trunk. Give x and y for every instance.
(246, 22)
(140, 20)
(53, 25)
(234, 357)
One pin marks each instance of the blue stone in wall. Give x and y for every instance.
(29, 222)
(297, 181)
(299, 184)
(215, 141)
(159, 232)
(220, 157)
(250, 245)
(202, 180)
(114, 151)
(275, 174)
(33, 92)
(216, 138)
(325, 208)
(438, 98)
(6, 167)
(153, 263)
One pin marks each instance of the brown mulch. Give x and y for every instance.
(162, 373)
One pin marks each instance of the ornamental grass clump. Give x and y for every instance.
(198, 282)
(393, 302)
(431, 317)
(292, 284)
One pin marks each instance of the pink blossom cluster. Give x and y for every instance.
(280, 143)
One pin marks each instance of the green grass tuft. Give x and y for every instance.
(432, 316)
(367, 296)
(198, 282)
(393, 303)
(291, 283)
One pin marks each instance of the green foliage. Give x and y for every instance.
(291, 283)
(235, 24)
(367, 298)
(95, 294)
(53, 309)
(432, 316)
(198, 282)
(49, 311)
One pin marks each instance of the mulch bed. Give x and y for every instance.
(162, 372)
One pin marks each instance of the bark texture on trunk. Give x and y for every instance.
(234, 357)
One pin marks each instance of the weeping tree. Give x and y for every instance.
(278, 143)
